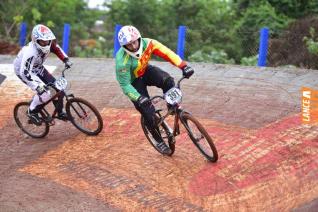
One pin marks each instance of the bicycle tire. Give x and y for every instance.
(83, 107)
(164, 129)
(186, 118)
(23, 125)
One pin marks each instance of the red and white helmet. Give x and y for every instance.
(128, 34)
(41, 32)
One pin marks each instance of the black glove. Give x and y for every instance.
(143, 101)
(187, 71)
(41, 89)
(67, 63)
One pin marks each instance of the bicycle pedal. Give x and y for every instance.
(52, 122)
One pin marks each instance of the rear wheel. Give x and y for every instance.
(26, 124)
(84, 116)
(200, 137)
(166, 135)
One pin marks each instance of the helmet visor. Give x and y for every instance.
(44, 43)
(133, 46)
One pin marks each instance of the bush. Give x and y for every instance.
(311, 43)
(214, 56)
(249, 61)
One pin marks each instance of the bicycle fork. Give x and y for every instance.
(82, 115)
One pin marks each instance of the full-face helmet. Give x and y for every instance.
(42, 37)
(128, 37)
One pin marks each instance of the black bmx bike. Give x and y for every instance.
(195, 130)
(81, 113)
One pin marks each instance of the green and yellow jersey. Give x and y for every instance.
(128, 68)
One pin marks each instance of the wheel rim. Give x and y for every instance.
(84, 117)
(24, 122)
(199, 139)
(164, 134)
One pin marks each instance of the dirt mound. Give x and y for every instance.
(8, 48)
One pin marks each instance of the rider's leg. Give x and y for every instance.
(36, 103)
(38, 99)
(46, 77)
(154, 76)
(148, 112)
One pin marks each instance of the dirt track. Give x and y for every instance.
(268, 158)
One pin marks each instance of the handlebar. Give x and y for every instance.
(63, 75)
(178, 84)
(65, 68)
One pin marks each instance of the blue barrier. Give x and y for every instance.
(66, 37)
(263, 45)
(181, 41)
(116, 42)
(23, 33)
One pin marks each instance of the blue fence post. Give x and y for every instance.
(23, 33)
(263, 45)
(116, 42)
(181, 41)
(66, 37)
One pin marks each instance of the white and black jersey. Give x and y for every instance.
(28, 64)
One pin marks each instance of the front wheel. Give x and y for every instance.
(200, 137)
(26, 124)
(84, 116)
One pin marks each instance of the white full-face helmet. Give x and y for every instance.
(42, 34)
(128, 34)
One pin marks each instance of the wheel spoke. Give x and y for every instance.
(164, 133)
(26, 125)
(84, 116)
(200, 137)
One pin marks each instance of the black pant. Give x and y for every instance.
(153, 76)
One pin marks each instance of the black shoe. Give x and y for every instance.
(34, 116)
(164, 149)
(62, 116)
(159, 143)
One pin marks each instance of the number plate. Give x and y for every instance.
(173, 96)
(61, 83)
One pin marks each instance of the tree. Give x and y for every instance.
(11, 14)
(49, 12)
(291, 8)
(254, 18)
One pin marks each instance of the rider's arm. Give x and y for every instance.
(26, 74)
(56, 49)
(167, 54)
(123, 76)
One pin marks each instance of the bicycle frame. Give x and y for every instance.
(176, 110)
(195, 131)
(55, 96)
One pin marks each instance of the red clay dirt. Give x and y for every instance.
(267, 157)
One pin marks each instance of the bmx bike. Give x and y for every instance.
(81, 113)
(194, 128)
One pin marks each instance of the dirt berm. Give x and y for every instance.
(267, 156)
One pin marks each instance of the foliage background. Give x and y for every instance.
(218, 31)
